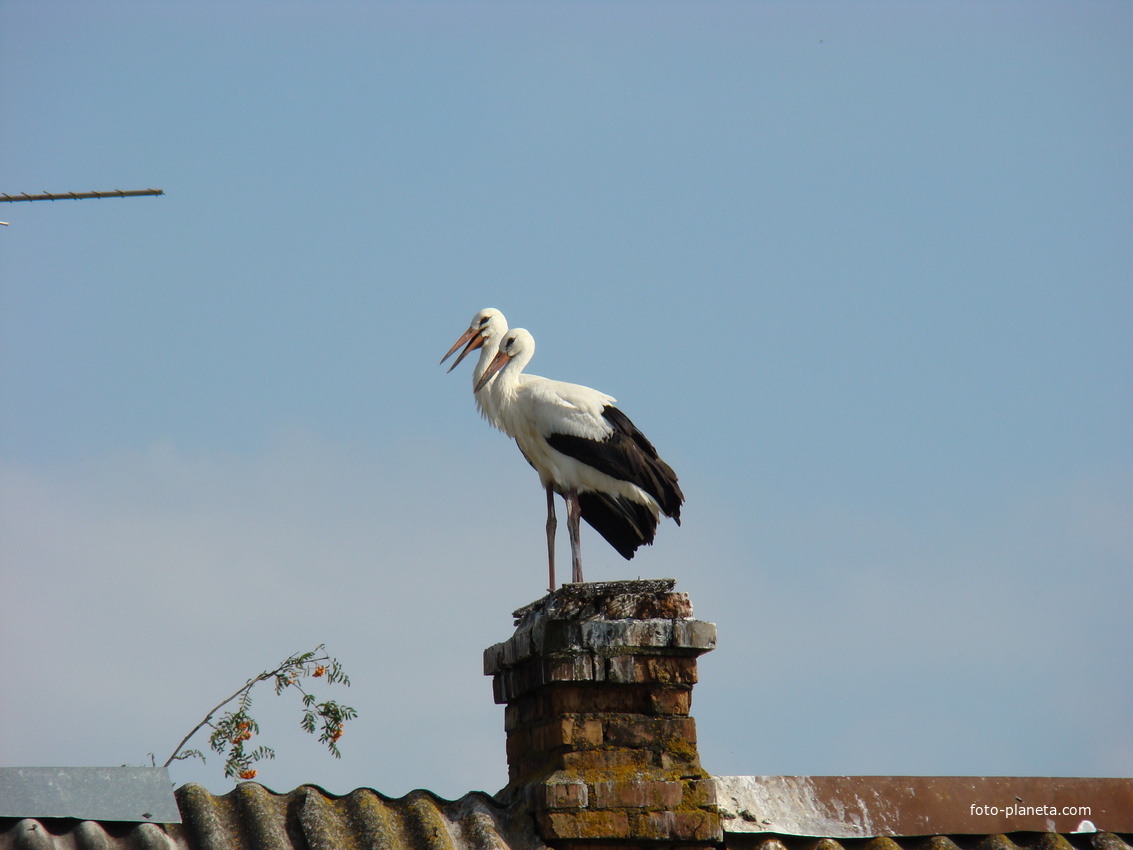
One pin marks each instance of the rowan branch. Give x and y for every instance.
(237, 726)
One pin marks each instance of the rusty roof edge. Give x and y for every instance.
(873, 806)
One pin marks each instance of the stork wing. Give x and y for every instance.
(556, 407)
(625, 454)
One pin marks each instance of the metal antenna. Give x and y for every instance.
(78, 196)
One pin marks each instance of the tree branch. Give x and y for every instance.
(251, 683)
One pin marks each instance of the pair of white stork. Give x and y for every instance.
(582, 446)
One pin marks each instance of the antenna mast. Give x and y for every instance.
(78, 196)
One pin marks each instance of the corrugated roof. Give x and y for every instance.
(251, 817)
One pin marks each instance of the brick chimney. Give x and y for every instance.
(597, 680)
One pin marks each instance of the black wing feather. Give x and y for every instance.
(623, 523)
(628, 456)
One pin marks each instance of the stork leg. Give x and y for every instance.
(574, 514)
(552, 524)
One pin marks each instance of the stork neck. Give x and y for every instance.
(488, 352)
(503, 387)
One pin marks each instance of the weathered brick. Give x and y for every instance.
(586, 698)
(576, 668)
(508, 685)
(524, 710)
(639, 733)
(498, 691)
(650, 732)
(694, 634)
(688, 766)
(682, 728)
(622, 669)
(602, 636)
(562, 635)
(588, 734)
(571, 732)
(493, 659)
(698, 825)
(557, 732)
(583, 824)
(517, 649)
(651, 669)
(641, 606)
(565, 795)
(638, 792)
(670, 701)
(667, 670)
(700, 793)
(583, 760)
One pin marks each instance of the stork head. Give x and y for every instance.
(519, 345)
(487, 324)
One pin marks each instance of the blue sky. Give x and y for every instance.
(861, 271)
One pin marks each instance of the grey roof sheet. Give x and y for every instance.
(142, 794)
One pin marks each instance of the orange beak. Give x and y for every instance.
(498, 362)
(474, 340)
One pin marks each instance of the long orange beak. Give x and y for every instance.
(498, 362)
(473, 338)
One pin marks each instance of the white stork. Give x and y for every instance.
(485, 331)
(583, 448)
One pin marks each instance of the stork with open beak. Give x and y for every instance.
(583, 448)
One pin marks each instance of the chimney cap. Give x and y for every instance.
(588, 600)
